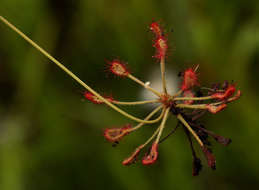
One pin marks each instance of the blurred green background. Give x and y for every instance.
(51, 139)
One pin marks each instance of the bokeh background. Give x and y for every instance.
(50, 138)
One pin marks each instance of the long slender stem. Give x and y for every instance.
(60, 65)
(148, 117)
(193, 98)
(162, 67)
(152, 137)
(143, 84)
(135, 103)
(162, 126)
(157, 130)
(197, 106)
(180, 117)
(204, 106)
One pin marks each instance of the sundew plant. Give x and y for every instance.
(187, 105)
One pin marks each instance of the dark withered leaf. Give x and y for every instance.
(196, 166)
(222, 140)
(210, 157)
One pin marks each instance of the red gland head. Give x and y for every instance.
(116, 134)
(228, 92)
(118, 68)
(152, 156)
(215, 109)
(161, 47)
(92, 98)
(190, 79)
(156, 29)
(95, 99)
(133, 157)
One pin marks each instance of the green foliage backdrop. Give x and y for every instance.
(51, 139)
